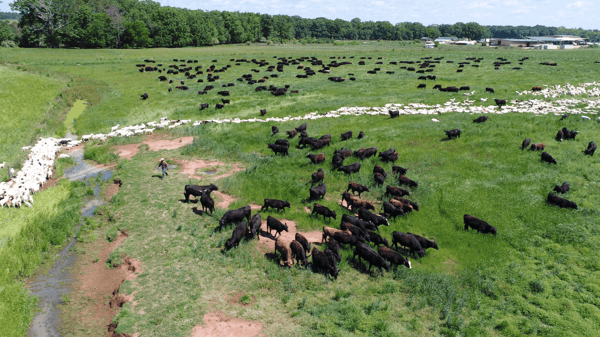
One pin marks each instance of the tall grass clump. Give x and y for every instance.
(101, 154)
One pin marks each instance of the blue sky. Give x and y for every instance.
(569, 13)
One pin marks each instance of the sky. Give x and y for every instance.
(569, 13)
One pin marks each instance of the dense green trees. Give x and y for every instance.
(134, 23)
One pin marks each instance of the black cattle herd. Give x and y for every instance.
(192, 73)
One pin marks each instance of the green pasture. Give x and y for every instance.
(536, 277)
(74, 112)
(117, 83)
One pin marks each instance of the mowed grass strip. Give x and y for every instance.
(537, 276)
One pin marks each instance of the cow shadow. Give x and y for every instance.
(197, 211)
(266, 234)
(445, 139)
(193, 201)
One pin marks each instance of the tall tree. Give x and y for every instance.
(48, 17)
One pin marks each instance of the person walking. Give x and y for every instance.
(163, 165)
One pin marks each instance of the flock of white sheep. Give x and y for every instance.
(38, 167)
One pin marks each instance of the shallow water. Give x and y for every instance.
(51, 288)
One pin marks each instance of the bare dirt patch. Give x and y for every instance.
(127, 151)
(157, 145)
(190, 167)
(266, 243)
(235, 299)
(217, 324)
(112, 190)
(307, 210)
(226, 199)
(75, 148)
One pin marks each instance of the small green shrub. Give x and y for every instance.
(100, 154)
(537, 286)
(114, 260)
(246, 299)
(111, 234)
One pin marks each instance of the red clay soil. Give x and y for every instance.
(127, 151)
(112, 190)
(189, 168)
(227, 199)
(217, 324)
(156, 145)
(49, 183)
(266, 242)
(235, 299)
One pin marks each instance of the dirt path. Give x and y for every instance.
(190, 167)
(266, 243)
(217, 324)
(154, 143)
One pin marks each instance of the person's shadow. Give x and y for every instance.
(157, 176)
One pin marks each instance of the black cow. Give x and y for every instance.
(219, 106)
(235, 215)
(324, 211)
(238, 233)
(398, 169)
(548, 158)
(204, 106)
(318, 192)
(425, 243)
(356, 187)
(197, 191)
(321, 263)
(377, 239)
(347, 135)
(276, 204)
(403, 180)
(560, 202)
(422, 86)
(301, 128)
(377, 220)
(407, 241)
(526, 143)
(393, 257)
(207, 202)
(591, 148)
(355, 230)
(303, 241)
(282, 142)
(565, 116)
(298, 252)
(364, 251)
(395, 191)
(490, 90)
(480, 119)
(392, 210)
(263, 112)
(225, 101)
(379, 178)
(362, 224)
(337, 161)
(334, 247)
(500, 102)
(394, 114)
(564, 188)
(413, 204)
(479, 225)
(352, 168)
(361, 135)
(347, 238)
(453, 133)
(254, 227)
(144, 96)
(274, 224)
(274, 130)
(279, 149)
(317, 176)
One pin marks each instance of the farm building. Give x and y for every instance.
(446, 39)
(562, 41)
(429, 44)
(426, 39)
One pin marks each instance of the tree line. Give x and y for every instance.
(133, 23)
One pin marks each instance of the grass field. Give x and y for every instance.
(536, 277)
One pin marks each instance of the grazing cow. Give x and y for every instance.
(337, 161)
(263, 112)
(223, 93)
(500, 102)
(453, 133)
(560, 202)
(362, 224)
(305, 140)
(412, 204)
(355, 230)
(379, 178)
(334, 247)
(274, 224)
(365, 153)
(480, 119)
(298, 252)
(318, 144)
(236, 236)
(569, 134)
(437, 86)
(405, 207)
(279, 205)
(301, 128)
(393, 257)
(355, 202)
(395, 191)
(361, 135)
(365, 251)
(207, 202)
(303, 241)
(202, 92)
(377, 239)
(292, 134)
(376, 219)
(394, 114)
(352, 168)
(346, 238)
(398, 169)
(490, 90)
(421, 86)
(317, 192)
(197, 191)
(391, 210)
(170, 89)
(525, 143)
(425, 243)
(465, 88)
(565, 116)
(254, 227)
(407, 241)
(330, 232)
(479, 225)
(282, 142)
(219, 106)
(235, 215)
(548, 158)
(279, 149)
(324, 211)
(317, 176)
(403, 180)
(284, 250)
(537, 146)
(327, 136)
(536, 89)
(144, 96)
(347, 135)
(274, 130)
(564, 188)
(591, 148)
(345, 153)
(225, 101)
(321, 263)
(386, 153)
(316, 158)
